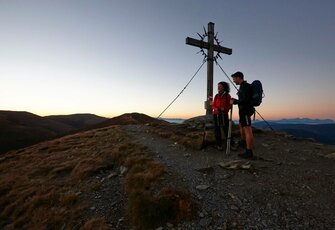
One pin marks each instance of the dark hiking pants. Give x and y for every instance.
(220, 120)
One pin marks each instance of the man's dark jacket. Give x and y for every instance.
(244, 99)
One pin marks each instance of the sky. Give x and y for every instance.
(121, 56)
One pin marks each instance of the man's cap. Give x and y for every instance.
(238, 74)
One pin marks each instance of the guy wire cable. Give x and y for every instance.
(216, 62)
(204, 61)
(238, 90)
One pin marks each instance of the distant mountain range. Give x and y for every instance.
(305, 121)
(78, 121)
(174, 120)
(322, 131)
(127, 119)
(21, 129)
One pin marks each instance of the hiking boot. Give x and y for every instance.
(247, 154)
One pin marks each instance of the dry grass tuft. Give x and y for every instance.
(86, 167)
(170, 205)
(184, 204)
(141, 176)
(194, 140)
(95, 223)
(68, 199)
(146, 212)
(61, 171)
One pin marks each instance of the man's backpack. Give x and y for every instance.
(257, 93)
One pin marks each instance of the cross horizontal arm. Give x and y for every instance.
(202, 44)
(222, 49)
(196, 42)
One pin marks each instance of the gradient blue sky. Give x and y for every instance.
(118, 56)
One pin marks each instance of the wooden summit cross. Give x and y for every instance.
(211, 47)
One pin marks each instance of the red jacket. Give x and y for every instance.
(221, 103)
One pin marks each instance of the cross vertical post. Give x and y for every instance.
(210, 66)
(211, 47)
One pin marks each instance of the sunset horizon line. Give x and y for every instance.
(183, 117)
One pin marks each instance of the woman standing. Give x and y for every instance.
(221, 106)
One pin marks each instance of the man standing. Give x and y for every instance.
(246, 110)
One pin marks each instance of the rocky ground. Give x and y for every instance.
(290, 186)
(80, 181)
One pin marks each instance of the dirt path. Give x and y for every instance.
(293, 189)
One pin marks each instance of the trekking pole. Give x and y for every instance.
(229, 131)
(264, 120)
